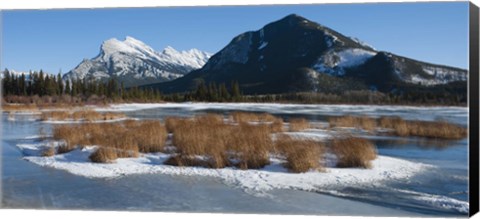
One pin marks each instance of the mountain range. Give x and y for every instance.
(134, 63)
(295, 54)
(292, 54)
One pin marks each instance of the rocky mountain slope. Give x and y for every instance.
(135, 63)
(295, 54)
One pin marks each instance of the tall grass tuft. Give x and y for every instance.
(171, 123)
(126, 138)
(239, 117)
(82, 115)
(251, 145)
(213, 143)
(150, 136)
(202, 136)
(298, 124)
(302, 155)
(362, 122)
(353, 152)
(428, 129)
(103, 155)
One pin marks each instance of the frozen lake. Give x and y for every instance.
(440, 190)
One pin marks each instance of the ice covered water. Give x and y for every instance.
(440, 189)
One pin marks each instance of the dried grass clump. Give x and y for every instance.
(171, 123)
(103, 155)
(251, 145)
(302, 155)
(83, 115)
(298, 124)
(55, 115)
(71, 134)
(217, 144)
(127, 138)
(362, 122)
(239, 117)
(19, 107)
(428, 129)
(62, 149)
(87, 115)
(276, 125)
(113, 116)
(150, 136)
(437, 129)
(203, 136)
(353, 152)
(187, 161)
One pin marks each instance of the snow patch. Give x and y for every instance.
(263, 45)
(335, 62)
(354, 57)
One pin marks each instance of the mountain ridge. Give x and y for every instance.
(135, 63)
(295, 50)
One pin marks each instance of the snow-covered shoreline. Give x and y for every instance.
(273, 176)
(255, 182)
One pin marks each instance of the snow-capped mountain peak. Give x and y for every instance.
(135, 63)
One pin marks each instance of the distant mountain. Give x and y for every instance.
(135, 63)
(296, 54)
(15, 73)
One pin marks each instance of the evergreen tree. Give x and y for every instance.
(60, 88)
(224, 95)
(6, 82)
(67, 87)
(23, 86)
(201, 93)
(41, 84)
(236, 95)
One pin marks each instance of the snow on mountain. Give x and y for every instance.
(15, 73)
(335, 62)
(293, 54)
(428, 74)
(135, 63)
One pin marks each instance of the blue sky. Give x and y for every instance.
(59, 39)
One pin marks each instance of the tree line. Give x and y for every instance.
(39, 87)
(50, 88)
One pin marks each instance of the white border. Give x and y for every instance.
(56, 4)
